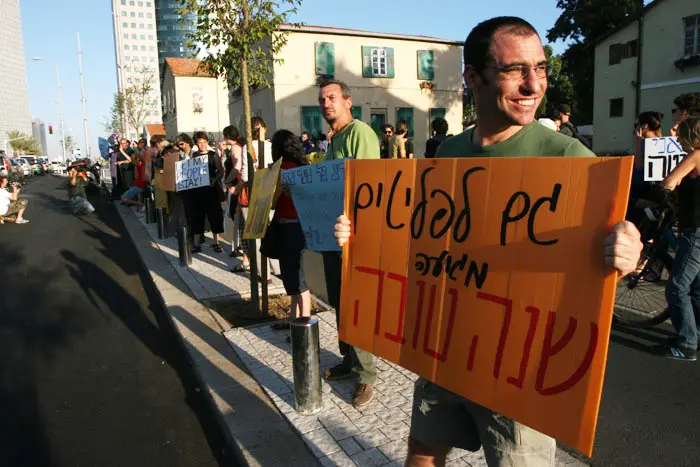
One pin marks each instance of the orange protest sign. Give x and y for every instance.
(169, 172)
(487, 277)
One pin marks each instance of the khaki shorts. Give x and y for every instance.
(15, 207)
(443, 419)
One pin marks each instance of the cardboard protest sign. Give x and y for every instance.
(160, 194)
(661, 156)
(261, 198)
(487, 277)
(192, 173)
(169, 169)
(317, 191)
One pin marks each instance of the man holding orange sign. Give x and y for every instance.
(506, 68)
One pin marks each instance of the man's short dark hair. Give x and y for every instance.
(440, 126)
(157, 139)
(257, 121)
(690, 101)
(563, 108)
(401, 127)
(478, 44)
(389, 126)
(343, 87)
(185, 138)
(201, 135)
(170, 149)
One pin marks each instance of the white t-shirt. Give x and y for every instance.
(5, 201)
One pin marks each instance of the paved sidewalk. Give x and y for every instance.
(261, 359)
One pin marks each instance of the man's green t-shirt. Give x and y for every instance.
(79, 188)
(533, 140)
(357, 139)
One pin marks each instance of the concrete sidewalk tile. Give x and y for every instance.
(369, 458)
(397, 463)
(350, 446)
(370, 439)
(368, 423)
(343, 431)
(321, 443)
(396, 431)
(339, 459)
(394, 450)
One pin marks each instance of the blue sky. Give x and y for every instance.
(49, 29)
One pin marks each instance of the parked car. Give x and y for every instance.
(10, 168)
(26, 168)
(35, 163)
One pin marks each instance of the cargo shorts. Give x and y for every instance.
(441, 418)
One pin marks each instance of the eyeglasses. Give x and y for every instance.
(387, 132)
(181, 143)
(521, 71)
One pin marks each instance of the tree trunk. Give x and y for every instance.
(252, 253)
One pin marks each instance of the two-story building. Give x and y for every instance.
(644, 65)
(192, 99)
(392, 77)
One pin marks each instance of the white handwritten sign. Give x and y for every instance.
(318, 193)
(661, 156)
(192, 173)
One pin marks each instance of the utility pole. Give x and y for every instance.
(60, 103)
(82, 94)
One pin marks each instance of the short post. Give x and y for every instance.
(306, 365)
(150, 211)
(183, 246)
(160, 216)
(139, 198)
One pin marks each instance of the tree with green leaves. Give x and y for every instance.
(17, 140)
(243, 39)
(560, 89)
(70, 144)
(132, 105)
(583, 23)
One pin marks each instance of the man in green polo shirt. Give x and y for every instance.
(350, 138)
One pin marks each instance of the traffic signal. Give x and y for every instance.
(50, 129)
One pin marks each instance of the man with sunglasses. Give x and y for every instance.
(685, 105)
(506, 68)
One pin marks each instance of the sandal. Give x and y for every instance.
(241, 268)
(217, 248)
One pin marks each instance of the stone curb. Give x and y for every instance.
(255, 430)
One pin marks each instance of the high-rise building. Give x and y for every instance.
(39, 133)
(172, 31)
(14, 96)
(136, 50)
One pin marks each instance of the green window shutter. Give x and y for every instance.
(325, 58)
(356, 112)
(389, 62)
(406, 113)
(366, 61)
(437, 112)
(426, 69)
(311, 120)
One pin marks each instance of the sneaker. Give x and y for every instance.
(22, 221)
(338, 372)
(363, 395)
(675, 352)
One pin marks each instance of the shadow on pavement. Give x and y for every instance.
(639, 339)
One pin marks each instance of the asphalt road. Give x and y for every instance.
(90, 370)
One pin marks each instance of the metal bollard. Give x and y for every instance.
(306, 366)
(139, 198)
(161, 219)
(150, 211)
(183, 246)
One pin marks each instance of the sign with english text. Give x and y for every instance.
(192, 173)
(487, 277)
(661, 156)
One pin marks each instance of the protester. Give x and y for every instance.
(646, 125)
(685, 105)
(548, 123)
(306, 142)
(683, 286)
(120, 156)
(439, 127)
(206, 200)
(10, 204)
(506, 67)
(322, 143)
(141, 181)
(290, 237)
(387, 134)
(186, 145)
(78, 199)
(351, 138)
(231, 181)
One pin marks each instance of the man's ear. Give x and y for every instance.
(471, 77)
(348, 103)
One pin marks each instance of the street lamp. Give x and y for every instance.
(60, 103)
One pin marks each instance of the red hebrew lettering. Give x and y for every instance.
(380, 292)
(441, 356)
(419, 316)
(508, 305)
(550, 350)
(398, 337)
(534, 318)
(472, 353)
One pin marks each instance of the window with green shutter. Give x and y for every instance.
(377, 62)
(437, 112)
(405, 113)
(325, 59)
(356, 112)
(425, 65)
(311, 120)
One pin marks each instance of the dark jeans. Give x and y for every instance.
(683, 289)
(205, 202)
(362, 362)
